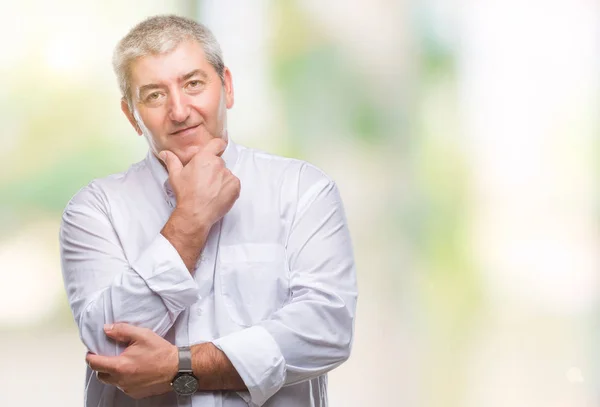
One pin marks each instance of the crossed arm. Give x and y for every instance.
(149, 363)
(317, 322)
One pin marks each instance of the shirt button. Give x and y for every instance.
(199, 261)
(199, 311)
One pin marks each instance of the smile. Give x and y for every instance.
(186, 131)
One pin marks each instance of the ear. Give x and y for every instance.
(129, 114)
(228, 85)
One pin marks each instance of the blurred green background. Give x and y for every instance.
(463, 136)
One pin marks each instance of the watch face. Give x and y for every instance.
(185, 384)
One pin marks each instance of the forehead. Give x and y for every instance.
(165, 68)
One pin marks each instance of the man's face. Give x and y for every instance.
(179, 101)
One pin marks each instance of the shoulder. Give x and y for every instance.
(297, 184)
(280, 168)
(98, 193)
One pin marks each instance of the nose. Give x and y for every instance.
(179, 109)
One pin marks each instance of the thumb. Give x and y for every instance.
(123, 332)
(172, 162)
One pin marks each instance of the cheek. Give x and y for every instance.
(154, 122)
(222, 109)
(208, 104)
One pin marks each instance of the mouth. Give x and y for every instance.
(184, 132)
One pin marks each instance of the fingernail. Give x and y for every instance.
(108, 327)
(162, 155)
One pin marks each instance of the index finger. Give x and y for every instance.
(103, 364)
(215, 146)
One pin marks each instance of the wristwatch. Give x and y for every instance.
(185, 383)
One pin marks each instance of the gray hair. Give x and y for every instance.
(160, 35)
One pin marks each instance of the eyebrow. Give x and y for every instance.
(198, 72)
(152, 86)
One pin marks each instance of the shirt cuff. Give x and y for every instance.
(166, 274)
(257, 359)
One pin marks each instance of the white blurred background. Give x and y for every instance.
(463, 136)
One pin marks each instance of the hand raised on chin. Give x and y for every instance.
(204, 188)
(205, 191)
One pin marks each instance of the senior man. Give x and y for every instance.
(208, 274)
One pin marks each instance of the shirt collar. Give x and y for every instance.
(161, 175)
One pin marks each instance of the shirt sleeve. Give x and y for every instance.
(104, 287)
(313, 332)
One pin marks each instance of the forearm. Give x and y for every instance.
(303, 340)
(187, 235)
(214, 370)
(104, 286)
(313, 349)
(149, 293)
(312, 333)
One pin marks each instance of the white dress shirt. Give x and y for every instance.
(274, 288)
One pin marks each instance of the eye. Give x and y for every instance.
(194, 84)
(153, 96)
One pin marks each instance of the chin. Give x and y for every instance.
(186, 156)
(187, 151)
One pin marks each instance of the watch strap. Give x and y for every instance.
(185, 359)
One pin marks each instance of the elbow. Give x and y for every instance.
(114, 304)
(345, 348)
(90, 322)
(345, 351)
(346, 337)
(91, 333)
(338, 345)
(98, 312)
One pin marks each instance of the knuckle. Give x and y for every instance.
(120, 367)
(127, 369)
(220, 142)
